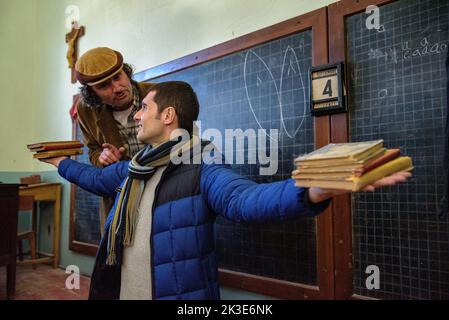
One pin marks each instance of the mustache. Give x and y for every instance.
(121, 92)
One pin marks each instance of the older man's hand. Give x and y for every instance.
(110, 154)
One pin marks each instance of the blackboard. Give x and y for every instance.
(397, 87)
(264, 87)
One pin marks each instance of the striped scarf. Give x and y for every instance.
(141, 168)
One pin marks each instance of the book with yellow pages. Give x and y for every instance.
(52, 145)
(355, 183)
(57, 153)
(340, 163)
(339, 172)
(51, 149)
(342, 153)
(57, 147)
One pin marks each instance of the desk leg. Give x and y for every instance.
(34, 228)
(56, 227)
(11, 279)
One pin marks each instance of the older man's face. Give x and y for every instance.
(116, 91)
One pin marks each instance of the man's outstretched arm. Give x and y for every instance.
(100, 181)
(240, 199)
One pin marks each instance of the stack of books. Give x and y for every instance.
(348, 166)
(53, 149)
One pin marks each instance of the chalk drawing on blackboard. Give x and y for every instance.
(290, 109)
(290, 121)
(409, 49)
(382, 94)
(265, 85)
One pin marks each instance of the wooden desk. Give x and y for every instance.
(9, 204)
(47, 192)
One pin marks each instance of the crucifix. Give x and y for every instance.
(71, 39)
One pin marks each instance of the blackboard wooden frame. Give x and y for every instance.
(75, 245)
(316, 21)
(342, 222)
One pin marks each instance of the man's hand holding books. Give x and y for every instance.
(54, 161)
(317, 194)
(339, 168)
(51, 149)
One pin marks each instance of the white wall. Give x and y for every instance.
(17, 82)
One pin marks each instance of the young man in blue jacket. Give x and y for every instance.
(159, 238)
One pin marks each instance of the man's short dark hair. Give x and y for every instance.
(89, 96)
(179, 95)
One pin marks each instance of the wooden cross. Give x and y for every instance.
(71, 39)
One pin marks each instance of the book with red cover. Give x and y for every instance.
(59, 144)
(57, 147)
(52, 143)
(57, 153)
(389, 155)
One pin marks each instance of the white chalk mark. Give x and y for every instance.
(355, 73)
(246, 87)
(291, 68)
(290, 49)
(382, 93)
(301, 46)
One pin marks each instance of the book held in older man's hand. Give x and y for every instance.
(348, 166)
(54, 149)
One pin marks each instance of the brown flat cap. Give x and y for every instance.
(98, 65)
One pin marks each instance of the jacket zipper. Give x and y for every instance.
(156, 192)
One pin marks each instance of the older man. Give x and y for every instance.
(110, 99)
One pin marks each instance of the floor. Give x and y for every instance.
(44, 283)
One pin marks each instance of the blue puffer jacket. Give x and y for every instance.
(187, 200)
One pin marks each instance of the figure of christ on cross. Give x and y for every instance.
(71, 39)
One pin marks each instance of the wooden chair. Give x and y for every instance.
(26, 203)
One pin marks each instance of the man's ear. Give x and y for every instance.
(169, 115)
